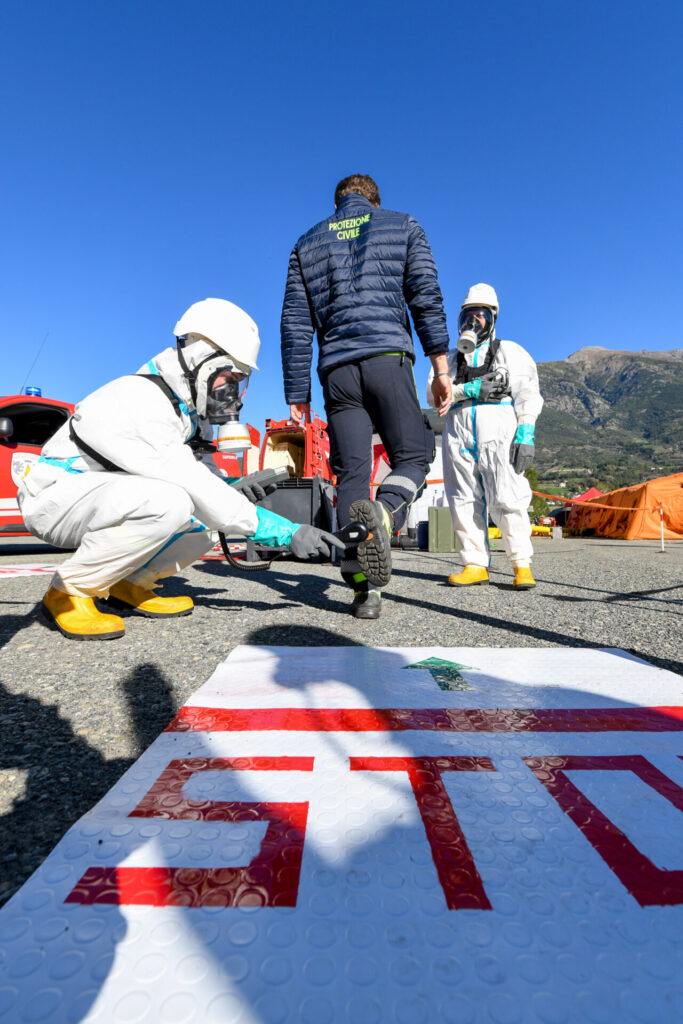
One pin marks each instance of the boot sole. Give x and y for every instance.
(475, 583)
(374, 554)
(47, 614)
(523, 586)
(116, 602)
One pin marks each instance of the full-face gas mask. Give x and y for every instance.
(225, 390)
(475, 325)
(217, 385)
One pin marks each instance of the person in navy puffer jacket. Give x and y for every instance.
(353, 279)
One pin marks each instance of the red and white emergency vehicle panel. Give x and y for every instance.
(29, 421)
(376, 835)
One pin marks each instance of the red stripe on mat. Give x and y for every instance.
(655, 719)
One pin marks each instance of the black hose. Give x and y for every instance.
(240, 563)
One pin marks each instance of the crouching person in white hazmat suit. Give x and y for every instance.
(125, 482)
(488, 441)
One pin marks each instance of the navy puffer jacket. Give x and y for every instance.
(352, 279)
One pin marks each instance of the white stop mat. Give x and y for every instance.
(376, 835)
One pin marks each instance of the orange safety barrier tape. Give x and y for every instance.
(565, 501)
(594, 504)
(378, 483)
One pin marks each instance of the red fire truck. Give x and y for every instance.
(26, 423)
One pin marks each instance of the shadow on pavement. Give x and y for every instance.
(65, 775)
(307, 590)
(11, 625)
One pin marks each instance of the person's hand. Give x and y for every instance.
(492, 386)
(521, 456)
(298, 410)
(442, 390)
(252, 490)
(522, 449)
(309, 541)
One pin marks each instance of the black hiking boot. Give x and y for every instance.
(366, 604)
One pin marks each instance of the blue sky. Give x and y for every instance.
(157, 152)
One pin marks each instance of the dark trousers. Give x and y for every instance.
(378, 393)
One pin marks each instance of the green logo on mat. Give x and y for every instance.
(446, 674)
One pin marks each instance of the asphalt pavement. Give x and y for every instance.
(74, 716)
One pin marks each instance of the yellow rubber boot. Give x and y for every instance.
(149, 603)
(523, 578)
(470, 575)
(78, 618)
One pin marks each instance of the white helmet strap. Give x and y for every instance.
(187, 372)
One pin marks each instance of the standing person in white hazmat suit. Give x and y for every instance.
(488, 441)
(129, 481)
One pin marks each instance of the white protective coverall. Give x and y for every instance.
(154, 516)
(479, 479)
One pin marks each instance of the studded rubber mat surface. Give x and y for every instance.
(376, 835)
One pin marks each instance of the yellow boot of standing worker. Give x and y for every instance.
(78, 618)
(147, 602)
(523, 579)
(469, 576)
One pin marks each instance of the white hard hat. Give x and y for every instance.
(225, 325)
(481, 295)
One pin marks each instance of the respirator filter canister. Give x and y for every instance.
(233, 437)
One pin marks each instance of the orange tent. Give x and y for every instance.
(634, 511)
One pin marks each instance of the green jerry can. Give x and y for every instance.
(441, 534)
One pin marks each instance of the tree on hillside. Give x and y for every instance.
(539, 506)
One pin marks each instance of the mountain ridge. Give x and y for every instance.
(611, 418)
